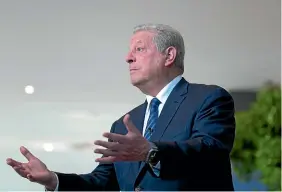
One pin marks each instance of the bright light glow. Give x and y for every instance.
(48, 147)
(29, 89)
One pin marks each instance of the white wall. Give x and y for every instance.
(67, 50)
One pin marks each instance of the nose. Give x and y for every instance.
(130, 58)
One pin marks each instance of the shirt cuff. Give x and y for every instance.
(57, 186)
(156, 169)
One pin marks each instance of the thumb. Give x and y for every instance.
(28, 155)
(129, 124)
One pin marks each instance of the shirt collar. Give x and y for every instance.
(165, 92)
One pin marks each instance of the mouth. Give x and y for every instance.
(133, 70)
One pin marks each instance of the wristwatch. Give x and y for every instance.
(152, 157)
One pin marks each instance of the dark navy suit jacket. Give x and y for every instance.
(194, 133)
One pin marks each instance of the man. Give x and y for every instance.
(180, 138)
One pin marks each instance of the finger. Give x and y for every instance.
(18, 167)
(110, 145)
(13, 162)
(106, 144)
(28, 155)
(107, 159)
(26, 167)
(106, 152)
(21, 171)
(129, 124)
(116, 137)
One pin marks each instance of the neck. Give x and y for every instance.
(154, 87)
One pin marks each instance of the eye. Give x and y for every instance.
(140, 49)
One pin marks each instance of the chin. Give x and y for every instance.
(136, 81)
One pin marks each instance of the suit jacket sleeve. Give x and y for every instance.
(211, 141)
(102, 178)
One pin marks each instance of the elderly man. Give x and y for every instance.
(180, 138)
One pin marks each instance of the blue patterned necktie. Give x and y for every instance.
(152, 121)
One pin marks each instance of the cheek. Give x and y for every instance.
(144, 62)
(149, 64)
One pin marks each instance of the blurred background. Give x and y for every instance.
(64, 79)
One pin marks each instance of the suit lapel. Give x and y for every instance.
(169, 110)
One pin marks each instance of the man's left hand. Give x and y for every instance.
(130, 147)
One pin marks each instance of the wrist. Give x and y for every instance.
(52, 181)
(146, 151)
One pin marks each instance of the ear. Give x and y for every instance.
(170, 56)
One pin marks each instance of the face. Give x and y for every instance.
(146, 63)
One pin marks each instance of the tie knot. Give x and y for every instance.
(155, 103)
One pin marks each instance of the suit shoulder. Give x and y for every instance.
(118, 125)
(132, 111)
(203, 96)
(208, 90)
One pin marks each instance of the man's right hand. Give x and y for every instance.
(34, 170)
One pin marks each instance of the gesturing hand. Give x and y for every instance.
(34, 170)
(130, 147)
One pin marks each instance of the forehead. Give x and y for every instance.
(145, 37)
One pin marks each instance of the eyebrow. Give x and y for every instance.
(138, 42)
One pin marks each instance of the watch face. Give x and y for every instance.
(153, 154)
(153, 157)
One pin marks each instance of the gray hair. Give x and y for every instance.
(166, 36)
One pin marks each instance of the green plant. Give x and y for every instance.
(257, 146)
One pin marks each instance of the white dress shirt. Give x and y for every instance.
(162, 97)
